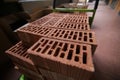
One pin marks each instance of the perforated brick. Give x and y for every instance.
(30, 34)
(75, 26)
(86, 37)
(29, 73)
(76, 18)
(67, 58)
(18, 55)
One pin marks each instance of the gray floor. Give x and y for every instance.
(107, 56)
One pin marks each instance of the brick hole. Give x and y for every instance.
(84, 48)
(77, 49)
(76, 58)
(27, 56)
(65, 36)
(36, 46)
(91, 40)
(67, 32)
(42, 40)
(55, 31)
(85, 33)
(24, 55)
(80, 34)
(71, 46)
(62, 55)
(52, 34)
(71, 24)
(54, 45)
(50, 42)
(63, 32)
(79, 38)
(50, 52)
(82, 27)
(85, 38)
(78, 25)
(45, 49)
(84, 57)
(45, 43)
(90, 35)
(46, 32)
(56, 34)
(70, 53)
(69, 37)
(60, 44)
(68, 26)
(18, 52)
(74, 37)
(71, 33)
(76, 32)
(75, 27)
(65, 47)
(60, 36)
(57, 52)
(38, 50)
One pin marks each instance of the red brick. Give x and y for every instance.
(30, 34)
(18, 55)
(67, 58)
(86, 37)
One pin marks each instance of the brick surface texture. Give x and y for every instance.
(63, 57)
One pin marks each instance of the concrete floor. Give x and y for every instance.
(107, 56)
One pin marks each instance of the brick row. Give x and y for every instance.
(86, 37)
(73, 26)
(18, 55)
(67, 58)
(76, 18)
(30, 34)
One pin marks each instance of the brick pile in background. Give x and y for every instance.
(61, 48)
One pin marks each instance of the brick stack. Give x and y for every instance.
(58, 46)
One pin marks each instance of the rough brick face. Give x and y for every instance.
(67, 58)
(86, 37)
(18, 55)
(30, 34)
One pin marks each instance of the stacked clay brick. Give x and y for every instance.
(58, 46)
